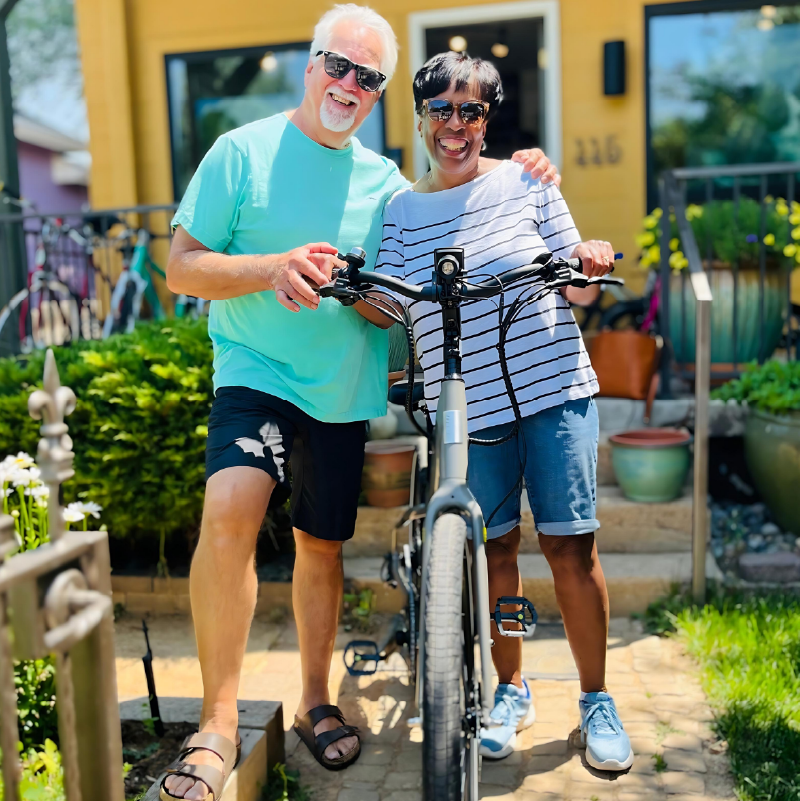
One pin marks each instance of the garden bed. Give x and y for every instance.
(148, 755)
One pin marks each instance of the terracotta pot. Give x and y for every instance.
(395, 376)
(651, 464)
(387, 472)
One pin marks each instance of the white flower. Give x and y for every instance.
(38, 491)
(22, 460)
(41, 503)
(20, 477)
(73, 515)
(86, 508)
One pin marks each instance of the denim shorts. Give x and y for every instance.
(560, 471)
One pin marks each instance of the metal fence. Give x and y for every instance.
(56, 599)
(727, 312)
(72, 262)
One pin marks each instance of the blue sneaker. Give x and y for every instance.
(513, 711)
(607, 745)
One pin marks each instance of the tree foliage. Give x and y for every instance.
(42, 42)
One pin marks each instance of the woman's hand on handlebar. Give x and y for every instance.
(597, 259)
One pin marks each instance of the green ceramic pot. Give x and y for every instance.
(772, 450)
(681, 328)
(651, 465)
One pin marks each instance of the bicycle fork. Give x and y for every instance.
(453, 494)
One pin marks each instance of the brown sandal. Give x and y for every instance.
(212, 777)
(317, 743)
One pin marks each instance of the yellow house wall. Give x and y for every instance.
(124, 43)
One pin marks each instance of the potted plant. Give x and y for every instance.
(726, 234)
(651, 464)
(771, 393)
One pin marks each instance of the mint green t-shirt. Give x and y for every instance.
(267, 188)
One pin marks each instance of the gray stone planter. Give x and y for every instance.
(261, 730)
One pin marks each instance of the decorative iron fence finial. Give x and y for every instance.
(54, 455)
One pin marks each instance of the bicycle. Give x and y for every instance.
(443, 577)
(50, 310)
(134, 284)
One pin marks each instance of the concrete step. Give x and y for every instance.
(605, 470)
(634, 580)
(625, 526)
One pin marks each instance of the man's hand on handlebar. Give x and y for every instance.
(597, 259)
(296, 273)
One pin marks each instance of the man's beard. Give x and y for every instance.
(338, 118)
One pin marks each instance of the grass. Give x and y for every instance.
(749, 652)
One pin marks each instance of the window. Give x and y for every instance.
(211, 93)
(723, 85)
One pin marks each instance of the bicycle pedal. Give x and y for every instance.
(525, 617)
(361, 657)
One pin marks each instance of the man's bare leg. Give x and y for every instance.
(583, 600)
(504, 579)
(223, 588)
(317, 584)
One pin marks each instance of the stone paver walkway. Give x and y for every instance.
(654, 685)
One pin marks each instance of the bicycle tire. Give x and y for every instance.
(445, 754)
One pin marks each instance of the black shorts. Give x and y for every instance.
(248, 428)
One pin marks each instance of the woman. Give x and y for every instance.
(503, 219)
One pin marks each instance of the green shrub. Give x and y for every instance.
(42, 777)
(772, 387)
(35, 683)
(139, 426)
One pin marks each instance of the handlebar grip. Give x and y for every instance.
(577, 264)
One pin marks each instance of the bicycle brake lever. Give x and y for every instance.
(341, 290)
(606, 279)
(566, 276)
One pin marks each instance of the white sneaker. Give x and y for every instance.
(513, 711)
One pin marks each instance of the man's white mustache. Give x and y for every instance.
(346, 96)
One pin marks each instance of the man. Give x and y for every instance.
(293, 376)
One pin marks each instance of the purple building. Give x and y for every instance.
(53, 167)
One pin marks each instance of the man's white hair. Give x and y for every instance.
(350, 12)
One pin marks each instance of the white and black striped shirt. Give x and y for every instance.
(502, 219)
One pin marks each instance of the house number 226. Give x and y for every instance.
(593, 151)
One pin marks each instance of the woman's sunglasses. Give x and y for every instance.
(472, 112)
(337, 66)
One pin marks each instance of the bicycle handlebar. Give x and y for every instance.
(555, 272)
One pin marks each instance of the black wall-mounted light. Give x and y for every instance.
(614, 68)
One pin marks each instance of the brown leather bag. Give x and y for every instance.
(626, 363)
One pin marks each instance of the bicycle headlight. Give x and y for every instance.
(448, 265)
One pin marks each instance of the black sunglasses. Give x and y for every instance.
(472, 112)
(337, 66)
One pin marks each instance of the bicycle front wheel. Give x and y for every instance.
(448, 749)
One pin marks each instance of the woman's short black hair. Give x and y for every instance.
(444, 69)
